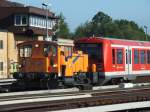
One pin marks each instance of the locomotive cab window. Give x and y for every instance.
(50, 50)
(68, 51)
(26, 51)
(95, 51)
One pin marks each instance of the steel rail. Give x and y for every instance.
(97, 98)
(45, 95)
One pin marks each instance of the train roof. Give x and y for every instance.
(61, 42)
(37, 42)
(113, 41)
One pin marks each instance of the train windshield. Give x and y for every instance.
(25, 51)
(93, 50)
(50, 50)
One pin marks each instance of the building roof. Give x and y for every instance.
(6, 3)
(9, 9)
(15, 7)
(26, 10)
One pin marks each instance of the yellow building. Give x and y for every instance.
(8, 52)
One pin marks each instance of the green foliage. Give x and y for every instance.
(103, 25)
(63, 30)
(101, 18)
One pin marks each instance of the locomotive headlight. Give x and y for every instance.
(36, 45)
(55, 65)
(19, 65)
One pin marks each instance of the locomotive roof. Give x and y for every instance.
(36, 41)
(113, 41)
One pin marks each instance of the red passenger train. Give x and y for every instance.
(116, 60)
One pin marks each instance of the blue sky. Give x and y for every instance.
(80, 11)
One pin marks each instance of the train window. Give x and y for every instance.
(136, 56)
(148, 56)
(119, 56)
(47, 49)
(142, 56)
(113, 56)
(94, 51)
(26, 51)
(128, 56)
(129, 53)
(50, 49)
(21, 52)
(68, 51)
(54, 50)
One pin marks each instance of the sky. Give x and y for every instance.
(78, 12)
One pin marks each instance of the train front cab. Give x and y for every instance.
(113, 61)
(37, 63)
(95, 50)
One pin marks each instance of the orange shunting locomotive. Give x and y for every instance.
(44, 64)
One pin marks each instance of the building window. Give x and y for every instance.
(21, 20)
(119, 56)
(24, 20)
(1, 44)
(1, 66)
(136, 56)
(18, 20)
(142, 56)
(40, 22)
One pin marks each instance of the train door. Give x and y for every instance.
(128, 61)
(50, 52)
(118, 63)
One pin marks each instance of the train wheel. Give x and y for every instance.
(85, 87)
(87, 81)
(43, 84)
(52, 84)
(18, 86)
(114, 81)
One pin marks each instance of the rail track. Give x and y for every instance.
(72, 100)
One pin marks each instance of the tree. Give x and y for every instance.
(63, 29)
(101, 18)
(102, 24)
